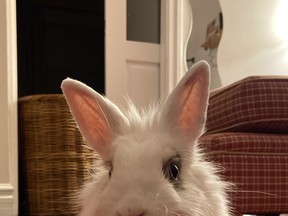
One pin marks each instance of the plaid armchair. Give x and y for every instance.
(247, 134)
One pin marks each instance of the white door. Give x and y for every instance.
(132, 67)
(145, 71)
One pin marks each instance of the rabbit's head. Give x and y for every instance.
(151, 164)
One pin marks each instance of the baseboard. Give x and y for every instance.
(7, 200)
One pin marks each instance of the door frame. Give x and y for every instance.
(8, 109)
(171, 66)
(176, 27)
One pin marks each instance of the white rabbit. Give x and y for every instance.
(152, 165)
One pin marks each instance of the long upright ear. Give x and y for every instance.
(97, 118)
(185, 108)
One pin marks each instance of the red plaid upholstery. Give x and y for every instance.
(257, 143)
(258, 166)
(257, 104)
(247, 134)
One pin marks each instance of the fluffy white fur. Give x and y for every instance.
(137, 143)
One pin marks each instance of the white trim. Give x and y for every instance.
(9, 141)
(169, 62)
(186, 24)
(176, 26)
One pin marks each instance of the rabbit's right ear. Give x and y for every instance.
(186, 107)
(97, 118)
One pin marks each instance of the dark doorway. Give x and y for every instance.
(59, 39)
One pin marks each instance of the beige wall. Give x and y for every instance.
(250, 44)
(8, 109)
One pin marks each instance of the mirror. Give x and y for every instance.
(205, 21)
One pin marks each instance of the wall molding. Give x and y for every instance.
(8, 108)
(7, 199)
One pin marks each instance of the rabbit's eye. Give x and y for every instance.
(110, 172)
(173, 172)
(109, 167)
(171, 169)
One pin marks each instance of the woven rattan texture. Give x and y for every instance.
(53, 155)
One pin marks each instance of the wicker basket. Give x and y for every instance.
(54, 159)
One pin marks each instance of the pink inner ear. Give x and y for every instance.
(189, 107)
(192, 108)
(92, 120)
(89, 115)
(192, 100)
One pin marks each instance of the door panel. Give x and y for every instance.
(143, 20)
(132, 67)
(138, 75)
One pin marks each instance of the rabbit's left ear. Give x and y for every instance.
(185, 108)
